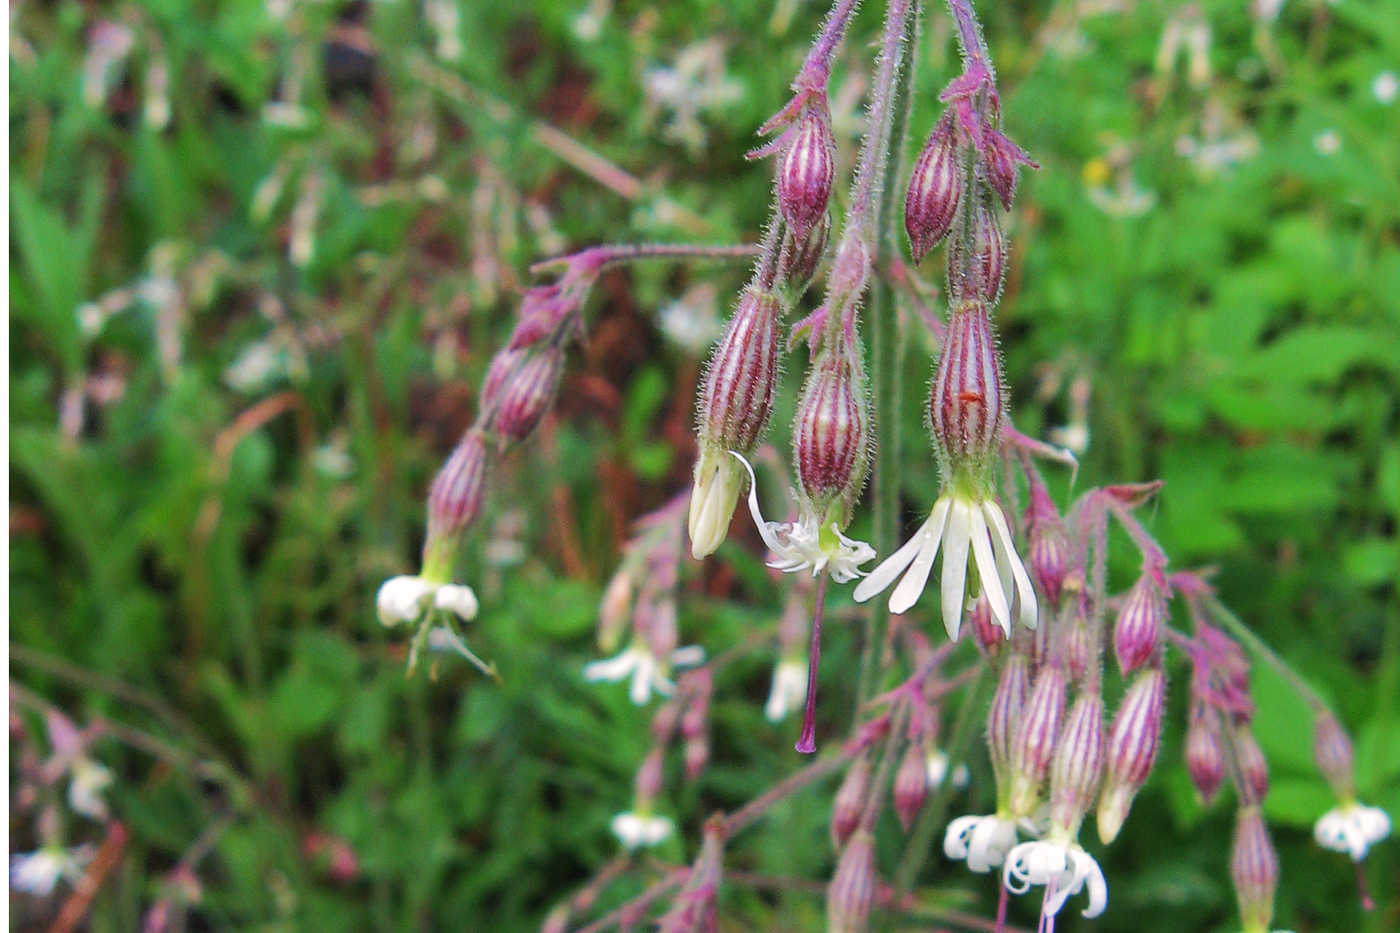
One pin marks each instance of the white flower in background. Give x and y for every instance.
(38, 872)
(981, 841)
(1352, 829)
(1386, 86)
(789, 689)
(937, 765)
(804, 545)
(87, 780)
(647, 672)
(637, 830)
(1064, 869)
(696, 83)
(965, 524)
(406, 598)
(692, 321)
(1327, 143)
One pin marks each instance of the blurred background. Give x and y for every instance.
(262, 251)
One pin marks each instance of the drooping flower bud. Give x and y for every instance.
(527, 393)
(735, 403)
(849, 802)
(1078, 765)
(966, 407)
(989, 634)
(852, 890)
(1079, 644)
(911, 784)
(1138, 631)
(831, 432)
(935, 188)
(650, 775)
(1205, 751)
(1034, 746)
(454, 502)
(1003, 163)
(799, 256)
(976, 268)
(1049, 546)
(1333, 754)
(697, 755)
(807, 170)
(1254, 869)
(1132, 747)
(1004, 715)
(694, 909)
(1254, 768)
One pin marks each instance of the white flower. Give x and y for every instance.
(1386, 86)
(981, 841)
(1064, 869)
(1352, 828)
(405, 599)
(1328, 142)
(789, 689)
(799, 545)
(38, 872)
(963, 523)
(937, 764)
(85, 788)
(647, 674)
(636, 830)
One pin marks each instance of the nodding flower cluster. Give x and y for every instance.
(1061, 746)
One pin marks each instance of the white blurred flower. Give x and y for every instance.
(695, 83)
(1328, 142)
(1352, 829)
(1386, 86)
(86, 782)
(38, 872)
(937, 764)
(637, 830)
(692, 320)
(981, 841)
(789, 689)
(646, 671)
(406, 598)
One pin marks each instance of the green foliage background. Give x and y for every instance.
(217, 544)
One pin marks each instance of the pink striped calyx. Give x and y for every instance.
(977, 258)
(1138, 631)
(527, 392)
(1254, 868)
(966, 403)
(1033, 748)
(935, 188)
(1078, 765)
(807, 169)
(743, 373)
(831, 433)
(1132, 748)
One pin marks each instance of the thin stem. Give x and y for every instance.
(870, 171)
(807, 742)
(833, 31)
(969, 33)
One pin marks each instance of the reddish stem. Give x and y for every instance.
(807, 743)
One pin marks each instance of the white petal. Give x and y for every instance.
(956, 836)
(912, 586)
(883, 575)
(765, 530)
(688, 656)
(1006, 551)
(1087, 870)
(956, 539)
(401, 599)
(457, 599)
(611, 669)
(987, 570)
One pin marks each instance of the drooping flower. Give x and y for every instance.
(88, 780)
(637, 829)
(1352, 828)
(648, 672)
(1063, 868)
(981, 841)
(40, 871)
(406, 598)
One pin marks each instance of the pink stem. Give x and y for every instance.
(807, 743)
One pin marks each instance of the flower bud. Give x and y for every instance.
(911, 784)
(852, 891)
(1332, 753)
(1034, 745)
(935, 187)
(965, 404)
(849, 803)
(663, 722)
(1079, 645)
(739, 384)
(800, 256)
(454, 501)
(1205, 752)
(615, 611)
(831, 431)
(694, 909)
(1132, 747)
(1049, 546)
(1004, 715)
(1079, 757)
(527, 393)
(989, 634)
(1138, 631)
(557, 920)
(650, 776)
(1254, 869)
(807, 170)
(1254, 769)
(976, 268)
(697, 755)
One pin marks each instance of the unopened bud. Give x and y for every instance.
(807, 170)
(1254, 769)
(1079, 758)
(1049, 546)
(650, 776)
(1004, 715)
(739, 384)
(1138, 631)
(976, 268)
(697, 755)
(1132, 747)
(989, 634)
(1205, 752)
(935, 187)
(454, 501)
(694, 909)
(1333, 754)
(663, 723)
(527, 393)
(965, 404)
(1034, 746)
(911, 784)
(1079, 645)
(615, 611)
(849, 802)
(852, 890)
(1254, 869)
(831, 431)
(800, 256)
(557, 920)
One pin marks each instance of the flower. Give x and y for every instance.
(981, 841)
(1385, 87)
(406, 598)
(804, 544)
(936, 762)
(963, 522)
(647, 673)
(37, 872)
(1064, 869)
(639, 829)
(85, 788)
(789, 689)
(1352, 828)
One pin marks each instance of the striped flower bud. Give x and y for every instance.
(1138, 631)
(1254, 869)
(1034, 746)
(1049, 546)
(800, 256)
(989, 634)
(831, 435)
(849, 802)
(454, 502)
(966, 407)
(1078, 765)
(1132, 747)
(1253, 767)
(911, 784)
(527, 393)
(650, 776)
(1004, 715)
(1205, 751)
(1333, 754)
(976, 268)
(1079, 645)
(807, 170)
(935, 188)
(851, 893)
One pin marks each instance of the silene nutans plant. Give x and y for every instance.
(857, 265)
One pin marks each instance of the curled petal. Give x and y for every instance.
(457, 599)
(1006, 554)
(891, 567)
